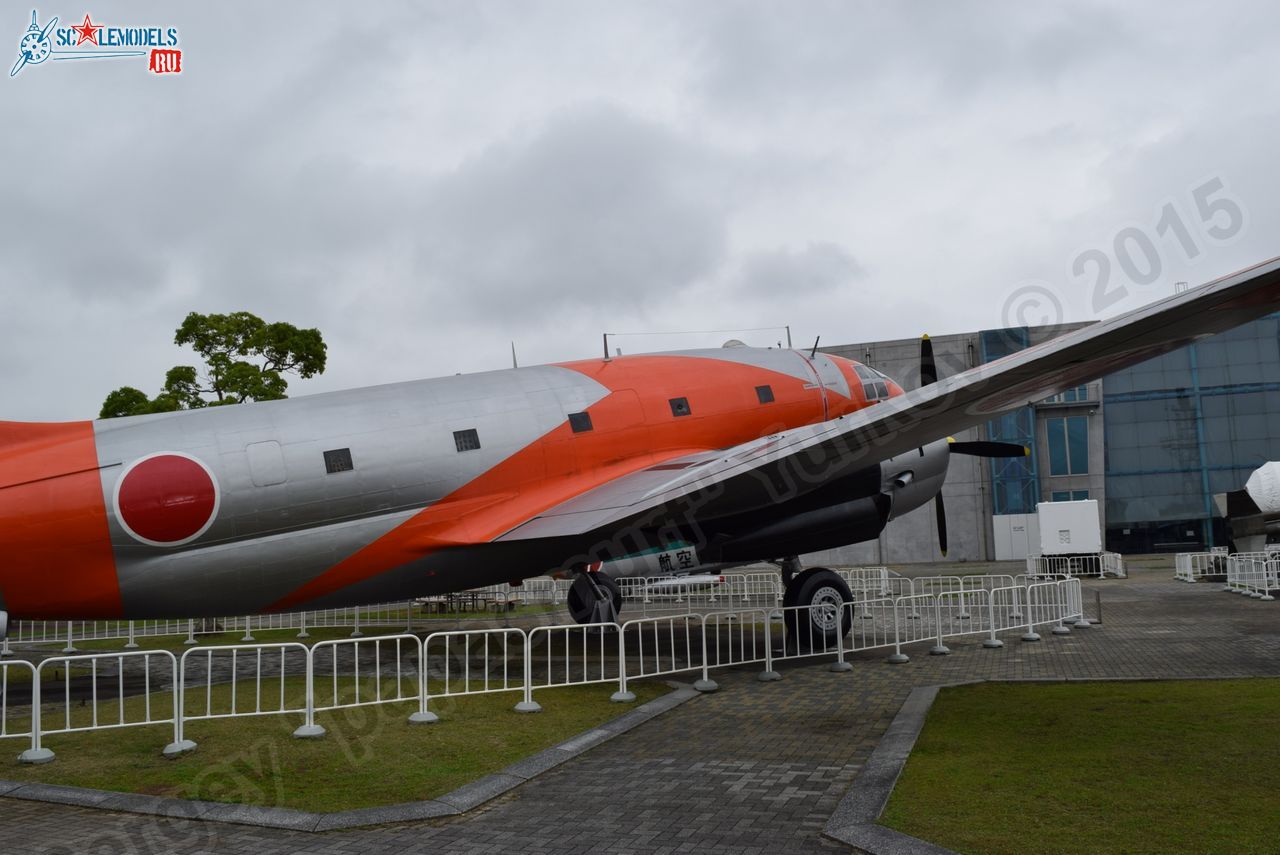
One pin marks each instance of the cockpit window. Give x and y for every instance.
(875, 385)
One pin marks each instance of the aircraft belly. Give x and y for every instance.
(245, 576)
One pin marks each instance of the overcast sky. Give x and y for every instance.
(426, 182)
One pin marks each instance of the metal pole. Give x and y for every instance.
(840, 666)
(191, 632)
(788, 336)
(309, 729)
(131, 644)
(37, 753)
(622, 696)
(897, 657)
(70, 648)
(706, 684)
(1030, 634)
(938, 649)
(529, 705)
(768, 675)
(992, 642)
(606, 347)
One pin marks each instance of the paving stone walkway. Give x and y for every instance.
(754, 768)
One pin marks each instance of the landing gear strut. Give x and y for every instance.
(827, 614)
(594, 598)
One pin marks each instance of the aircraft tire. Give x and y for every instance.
(580, 599)
(817, 628)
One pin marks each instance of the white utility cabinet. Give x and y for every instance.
(1069, 528)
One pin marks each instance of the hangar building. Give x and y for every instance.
(1152, 443)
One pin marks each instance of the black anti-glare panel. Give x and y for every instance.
(764, 394)
(580, 422)
(680, 407)
(338, 460)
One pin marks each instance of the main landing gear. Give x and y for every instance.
(826, 613)
(594, 598)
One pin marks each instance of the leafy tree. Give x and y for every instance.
(245, 359)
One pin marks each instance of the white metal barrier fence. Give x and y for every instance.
(70, 693)
(1100, 565)
(1256, 574)
(1194, 566)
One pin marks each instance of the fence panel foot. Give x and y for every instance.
(176, 749)
(768, 676)
(992, 643)
(528, 707)
(706, 685)
(898, 659)
(840, 667)
(427, 717)
(36, 756)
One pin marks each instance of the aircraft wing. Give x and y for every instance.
(788, 464)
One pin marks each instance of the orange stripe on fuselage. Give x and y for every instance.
(633, 428)
(55, 547)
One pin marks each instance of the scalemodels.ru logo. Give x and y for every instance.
(90, 40)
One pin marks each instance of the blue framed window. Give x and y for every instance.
(1068, 445)
(1069, 495)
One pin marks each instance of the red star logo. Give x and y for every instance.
(88, 31)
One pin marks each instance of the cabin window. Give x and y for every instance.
(338, 460)
(466, 440)
(680, 407)
(764, 394)
(580, 422)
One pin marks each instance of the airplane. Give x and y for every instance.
(417, 488)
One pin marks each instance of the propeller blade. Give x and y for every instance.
(990, 449)
(928, 368)
(940, 511)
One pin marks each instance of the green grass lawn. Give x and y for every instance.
(370, 756)
(422, 624)
(1090, 768)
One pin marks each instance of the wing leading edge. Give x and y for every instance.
(789, 464)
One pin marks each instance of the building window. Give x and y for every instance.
(338, 460)
(1070, 396)
(764, 394)
(580, 422)
(466, 440)
(680, 407)
(1069, 495)
(1068, 445)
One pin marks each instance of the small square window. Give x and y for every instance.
(466, 440)
(338, 460)
(580, 422)
(680, 407)
(764, 394)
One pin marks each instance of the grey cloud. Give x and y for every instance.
(426, 181)
(809, 272)
(598, 208)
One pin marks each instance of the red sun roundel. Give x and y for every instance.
(166, 499)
